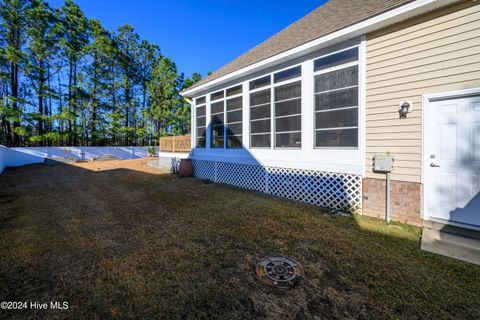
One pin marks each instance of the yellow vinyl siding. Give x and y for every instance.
(397, 129)
(468, 73)
(436, 40)
(433, 53)
(417, 26)
(394, 96)
(427, 65)
(409, 135)
(380, 116)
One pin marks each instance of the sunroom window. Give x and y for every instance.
(200, 123)
(336, 100)
(287, 74)
(261, 82)
(276, 107)
(234, 117)
(288, 109)
(217, 124)
(226, 118)
(260, 119)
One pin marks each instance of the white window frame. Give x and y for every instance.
(358, 86)
(263, 88)
(224, 100)
(212, 114)
(272, 87)
(238, 95)
(194, 133)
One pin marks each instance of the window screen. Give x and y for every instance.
(261, 82)
(260, 118)
(336, 59)
(218, 136)
(200, 123)
(287, 74)
(217, 95)
(234, 91)
(336, 103)
(338, 79)
(288, 119)
(234, 122)
(217, 107)
(217, 127)
(201, 100)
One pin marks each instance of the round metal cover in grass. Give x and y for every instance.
(279, 272)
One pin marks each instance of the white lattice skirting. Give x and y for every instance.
(325, 189)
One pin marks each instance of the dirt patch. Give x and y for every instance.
(119, 239)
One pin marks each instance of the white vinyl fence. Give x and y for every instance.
(14, 157)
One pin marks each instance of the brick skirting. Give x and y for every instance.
(404, 200)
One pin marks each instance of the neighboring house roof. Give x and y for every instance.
(330, 17)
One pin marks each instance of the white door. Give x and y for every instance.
(452, 160)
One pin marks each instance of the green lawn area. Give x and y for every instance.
(119, 240)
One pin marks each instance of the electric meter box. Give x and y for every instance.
(382, 162)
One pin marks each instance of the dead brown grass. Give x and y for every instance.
(119, 240)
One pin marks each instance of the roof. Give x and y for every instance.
(330, 17)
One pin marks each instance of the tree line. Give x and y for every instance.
(66, 80)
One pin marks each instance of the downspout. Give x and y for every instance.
(387, 205)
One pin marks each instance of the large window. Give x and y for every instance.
(336, 100)
(217, 123)
(288, 115)
(260, 110)
(275, 108)
(281, 101)
(200, 122)
(234, 117)
(226, 118)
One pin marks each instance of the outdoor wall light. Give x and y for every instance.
(405, 107)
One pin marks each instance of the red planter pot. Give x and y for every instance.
(186, 168)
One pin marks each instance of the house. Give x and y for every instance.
(307, 114)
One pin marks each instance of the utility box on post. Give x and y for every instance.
(382, 162)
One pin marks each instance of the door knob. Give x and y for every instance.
(433, 165)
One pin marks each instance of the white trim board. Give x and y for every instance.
(281, 162)
(426, 99)
(385, 19)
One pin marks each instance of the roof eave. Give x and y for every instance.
(377, 22)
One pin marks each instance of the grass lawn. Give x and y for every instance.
(118, 240)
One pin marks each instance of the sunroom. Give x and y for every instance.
(293, 130)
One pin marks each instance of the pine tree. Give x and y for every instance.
(148, 58)
(13, 35)
(98, 77)
(182, 111)
(128, 45)
(74, 38)
(42, 48)
(163, 95)
(65, 80)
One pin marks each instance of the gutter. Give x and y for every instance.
(380, 21)
(187, 99)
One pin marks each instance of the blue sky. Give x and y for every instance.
(199, 35)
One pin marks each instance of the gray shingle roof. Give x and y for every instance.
(330, 17)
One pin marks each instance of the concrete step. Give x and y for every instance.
(458, 243)
(470, 232)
